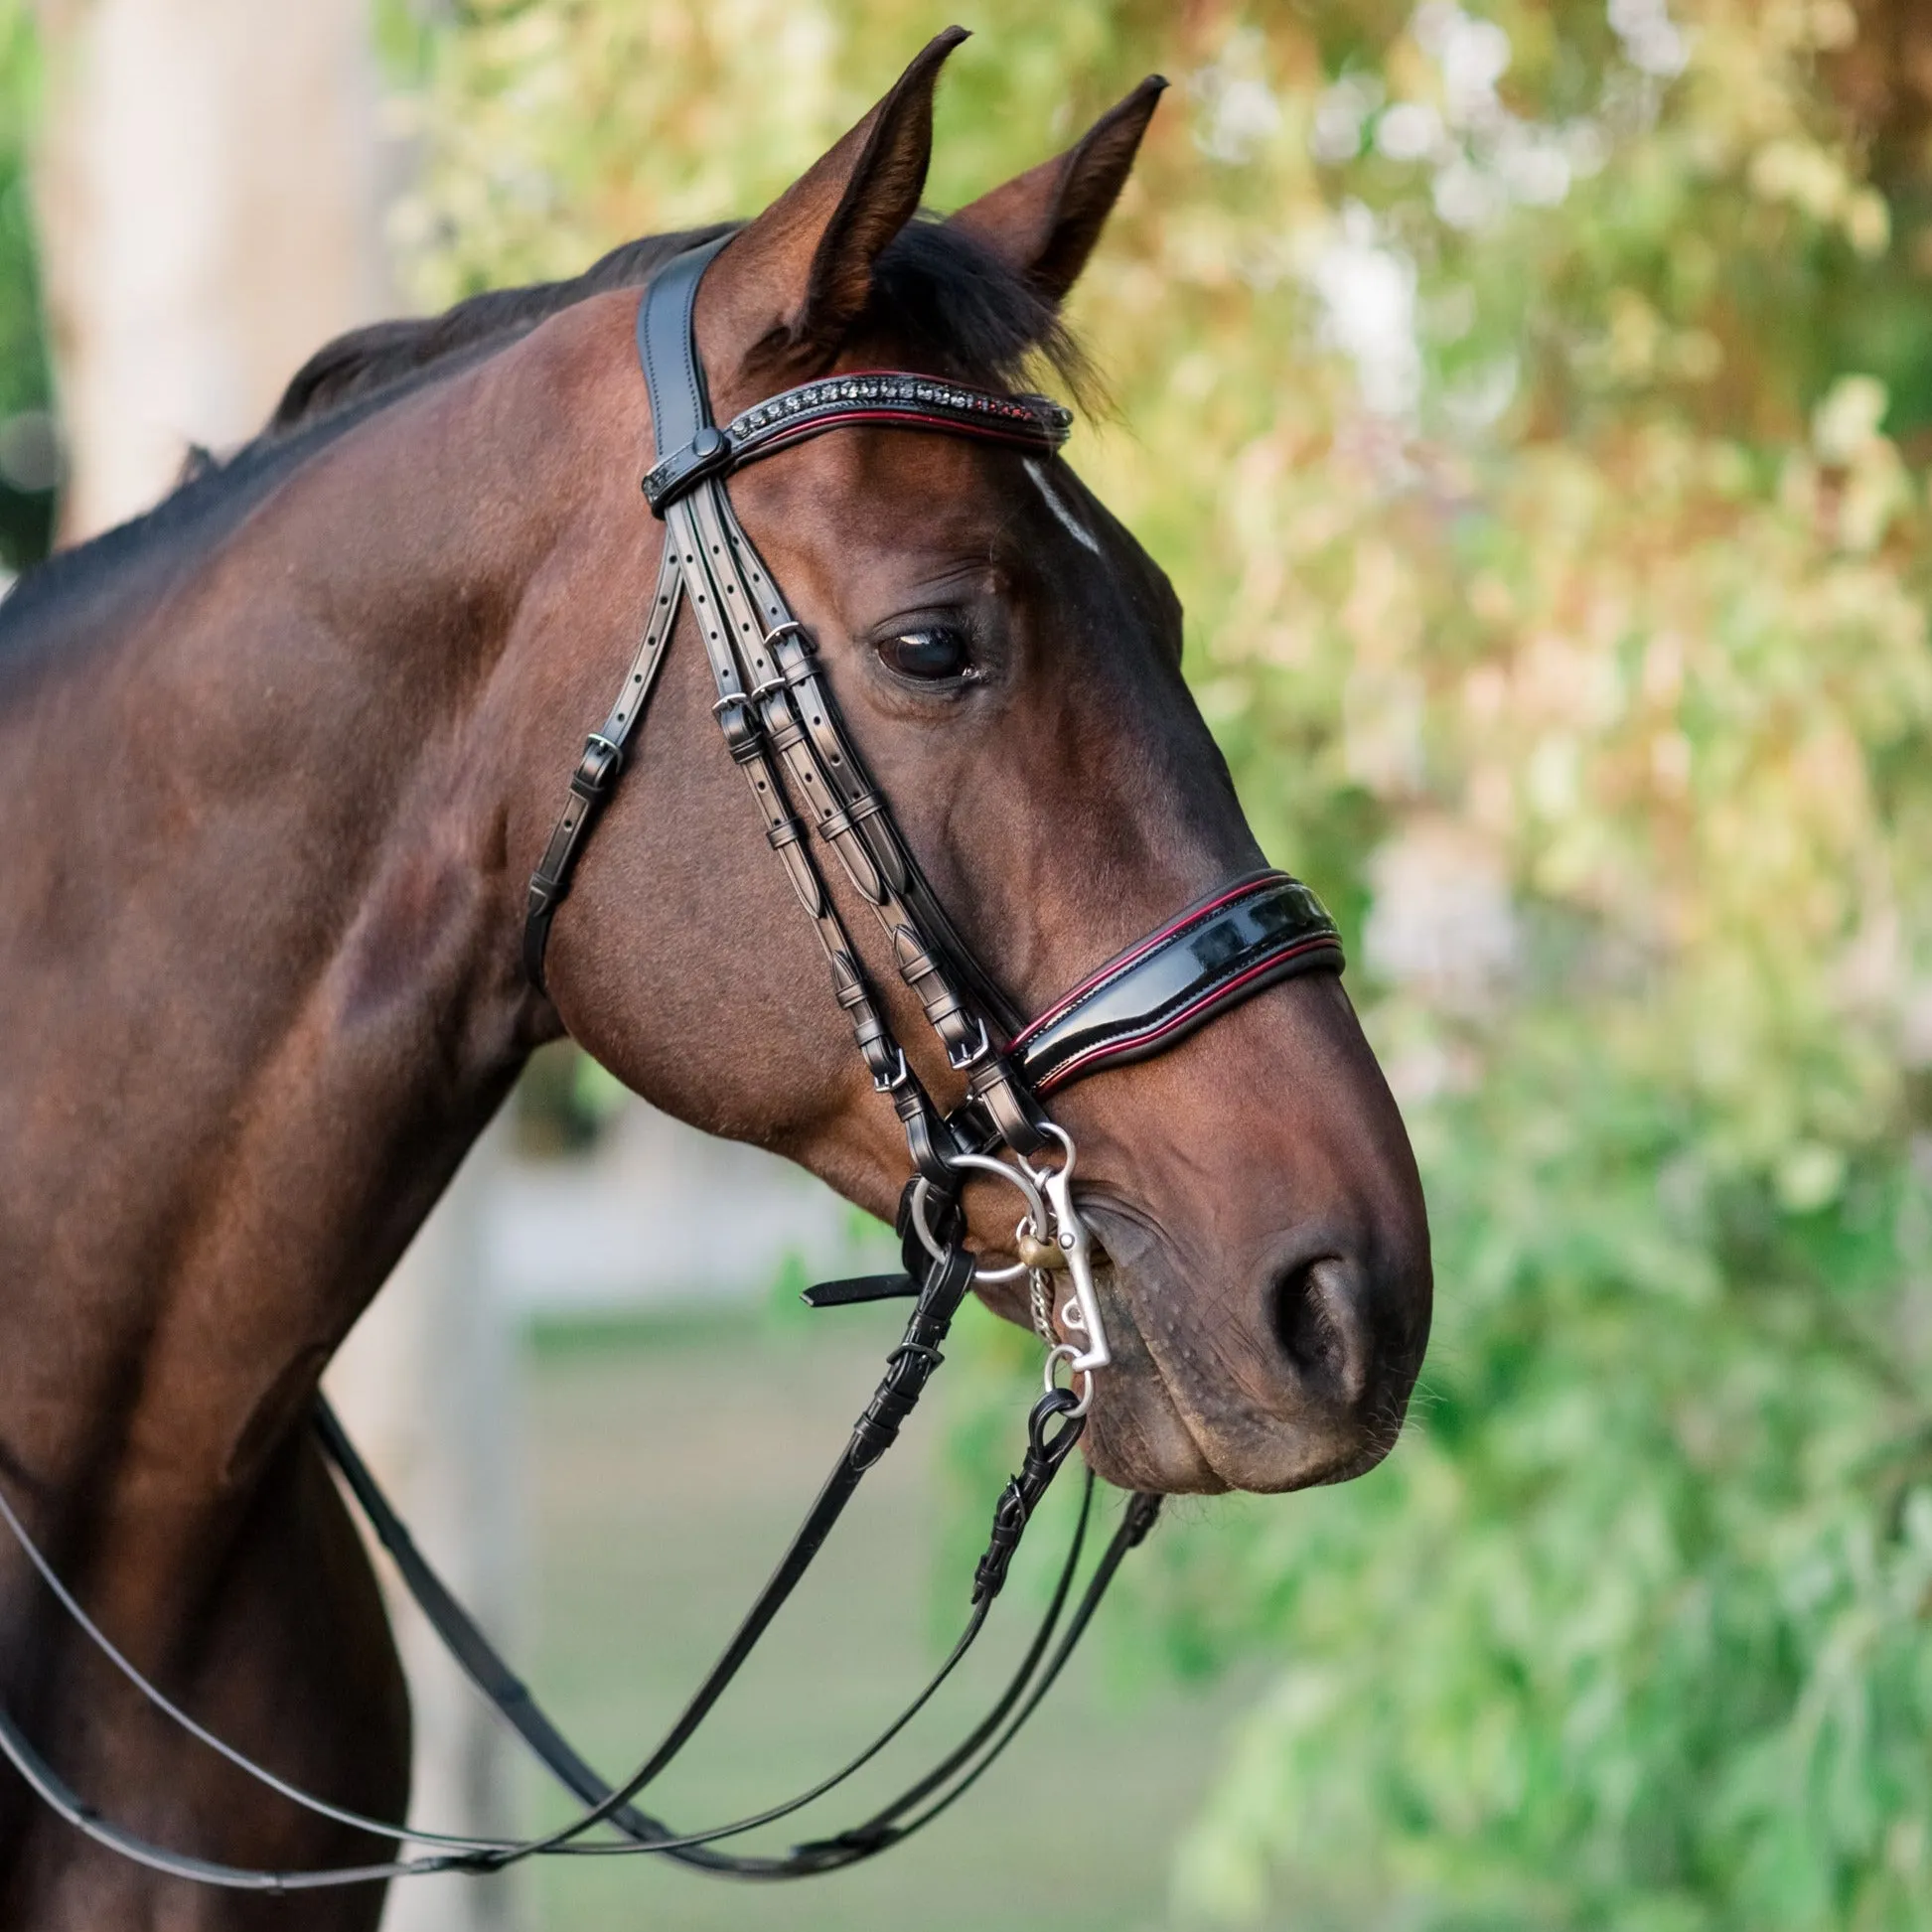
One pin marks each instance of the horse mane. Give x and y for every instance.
(388, 359)
(949, 297)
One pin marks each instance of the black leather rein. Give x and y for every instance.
(783, 728)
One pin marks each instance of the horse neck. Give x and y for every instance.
(258, 971)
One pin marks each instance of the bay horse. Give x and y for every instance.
(276, 763)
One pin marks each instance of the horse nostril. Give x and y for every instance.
(1319, 1326)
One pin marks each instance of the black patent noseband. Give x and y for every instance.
(783, 728)
(1224, 949)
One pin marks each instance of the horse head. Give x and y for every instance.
(1007, 661)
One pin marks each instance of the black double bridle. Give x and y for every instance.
(783, 728)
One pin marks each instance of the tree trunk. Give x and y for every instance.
(209, 187)
(424, 1388)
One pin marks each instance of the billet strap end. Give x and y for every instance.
(856, 1289)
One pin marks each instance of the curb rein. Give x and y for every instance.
(784, 733)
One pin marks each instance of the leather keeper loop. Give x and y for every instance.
(849, 981)
(910, 954)
(742, 738)
(598, 768)
(869, 805)
(790, 647)
(1011, 1112)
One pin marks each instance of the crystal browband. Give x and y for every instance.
(888, 398)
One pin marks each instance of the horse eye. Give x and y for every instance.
(937, 653)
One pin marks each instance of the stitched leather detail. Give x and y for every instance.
(865, 398)
(1234, 945)
(666, 349)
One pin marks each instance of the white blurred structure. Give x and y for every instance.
(210, 185)
(658, 1213)
(426, 1385)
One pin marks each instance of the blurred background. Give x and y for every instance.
(1532, 403)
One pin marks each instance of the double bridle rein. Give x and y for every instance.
(783, 729)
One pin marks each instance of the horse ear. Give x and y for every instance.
(792, 282)
(1045, 221)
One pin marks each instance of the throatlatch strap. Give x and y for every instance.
(597, 772)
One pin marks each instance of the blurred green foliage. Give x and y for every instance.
(26, 517)
(1531, 402)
